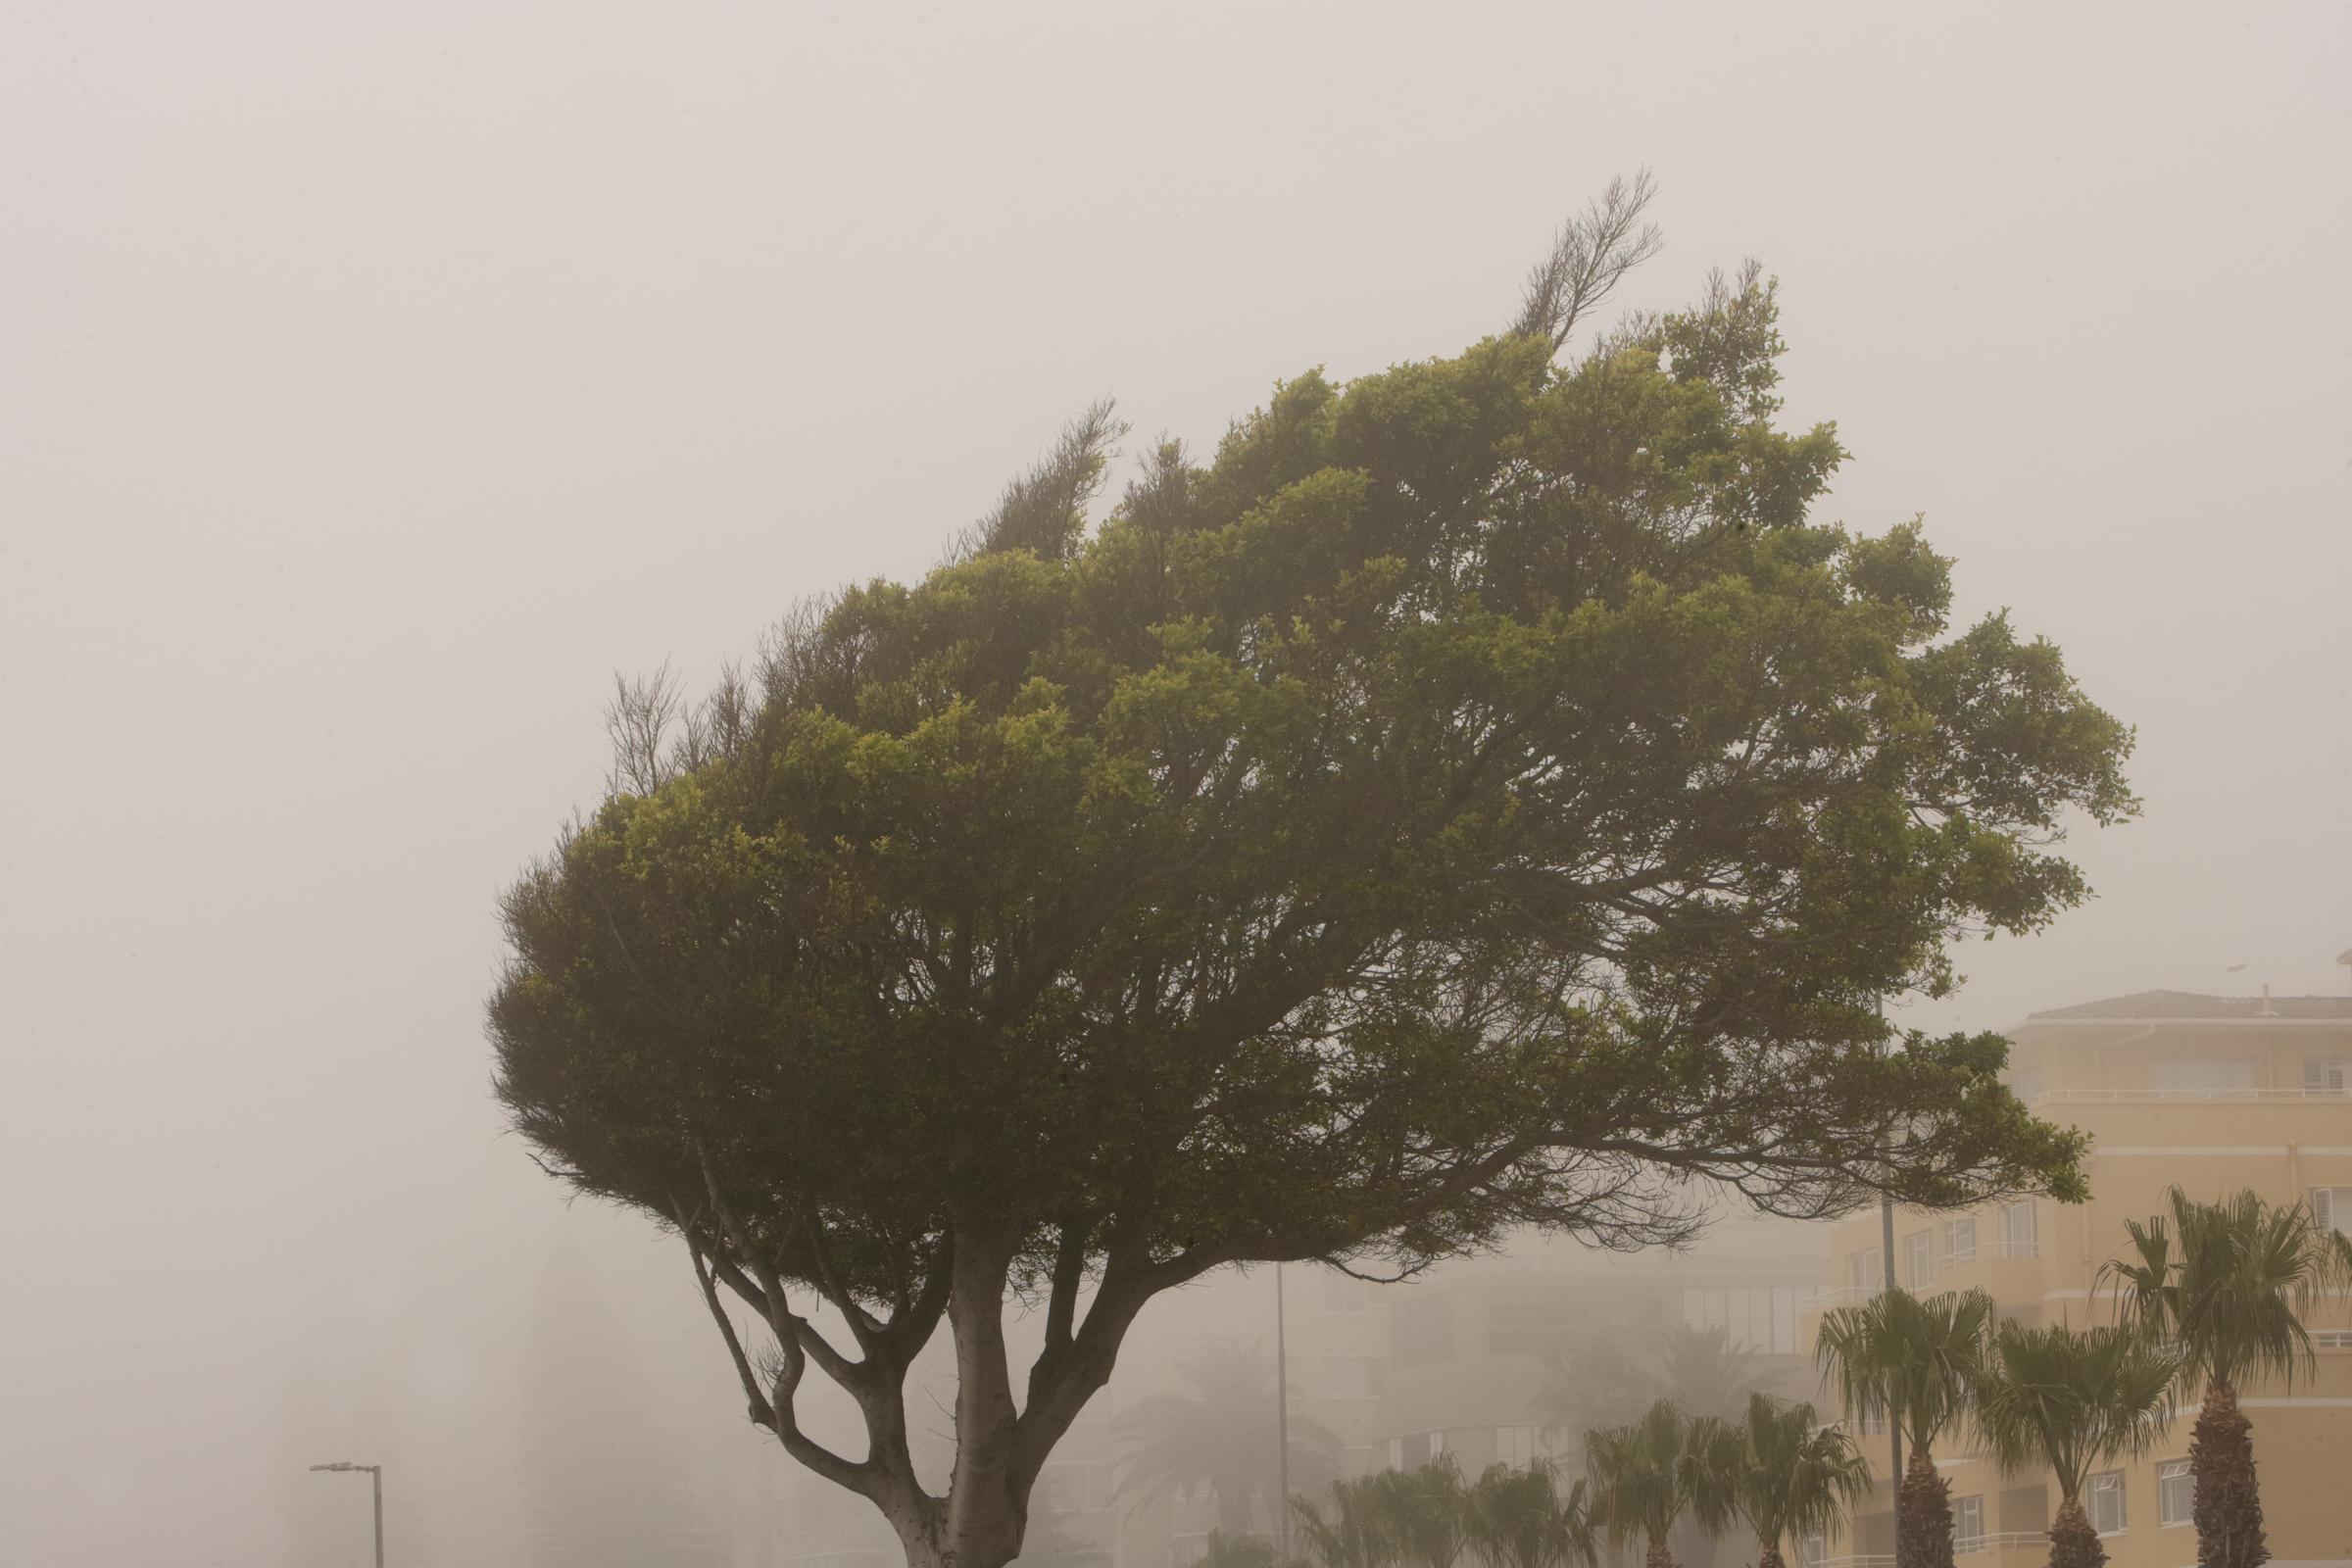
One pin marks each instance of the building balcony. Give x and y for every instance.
(2169, 1096)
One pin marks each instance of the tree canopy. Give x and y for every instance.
(1478, 795)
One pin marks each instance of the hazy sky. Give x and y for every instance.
(376, 378)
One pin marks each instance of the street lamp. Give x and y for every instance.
(1281, 1417)
(375, 1475)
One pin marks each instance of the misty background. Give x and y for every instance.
(377, 380)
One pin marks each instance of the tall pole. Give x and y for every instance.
(1282, 1412)
(1894, 1423)
(376, 1482)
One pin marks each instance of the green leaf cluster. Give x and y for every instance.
(1476, 796)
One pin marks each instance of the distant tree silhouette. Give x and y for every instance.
(1223, 1435)
(600, 1485)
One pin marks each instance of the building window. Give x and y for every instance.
(2331, 1208)
(1863, 1271)
(1968, 1520)
(1761, 1318)
(1342, 1292)
(1352, 1377)
(2203, 1077)
(1960, 1239)
(1520, 1447)
(2327, 1075)
(2019, 1237)
(1424, 1331)
(1918, 1259)
(2175, 1494)
(2026, 1085)
(2103, 1501)
(1871, 1423)
(1414, 1451)
(1531, 1323)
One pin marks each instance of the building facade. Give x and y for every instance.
(2214, 1095)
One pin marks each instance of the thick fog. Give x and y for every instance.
(376, 380)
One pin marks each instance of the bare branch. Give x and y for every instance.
(1590, 255)
(638, 717)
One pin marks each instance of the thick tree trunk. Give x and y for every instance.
(1770, 1558)
(2228, 1509)
(1924, 1505)
(2073, 1543)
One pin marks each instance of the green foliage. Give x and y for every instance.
(2228, 1282)
(1462, 804)
(1420, 1518)
(1224, 1550)
(1424, 1513)
(1519, 1518)
(1478, 798)
(2072, 1400)
(1352, 1533)
(1646, 1475)
(1912, 1360)
(1789, 1476)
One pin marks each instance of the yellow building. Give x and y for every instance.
(2213, 1094)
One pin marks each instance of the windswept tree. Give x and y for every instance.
(1790, 1476)
(2072, 1402)
(1648, 1475)
(1478, 798)
(1226, 1435)
(2228, 1282)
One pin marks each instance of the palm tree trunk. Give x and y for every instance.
(1770, 1557)
(1923, 1505)
(2228, 1509)
(1660, 1557)
(2073, 1543)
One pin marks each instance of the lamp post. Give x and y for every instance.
(1282, 1415)
(1894, 1424)
(375, 1476)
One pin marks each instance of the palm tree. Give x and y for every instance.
(1518, 1519)
(1425, 1513)
(1791, 1476)
(1601, 1383)
(1222, 1551)
(1224, 1434)
(2073, 1401)
(2227, 1283)
(1703, 1372)
(1645, 1476)
(1354, 1535)
(1911, 1362)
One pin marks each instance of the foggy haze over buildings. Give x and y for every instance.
(377, 380)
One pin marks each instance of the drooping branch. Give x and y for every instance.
(774, 1406)
(763, 1409)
